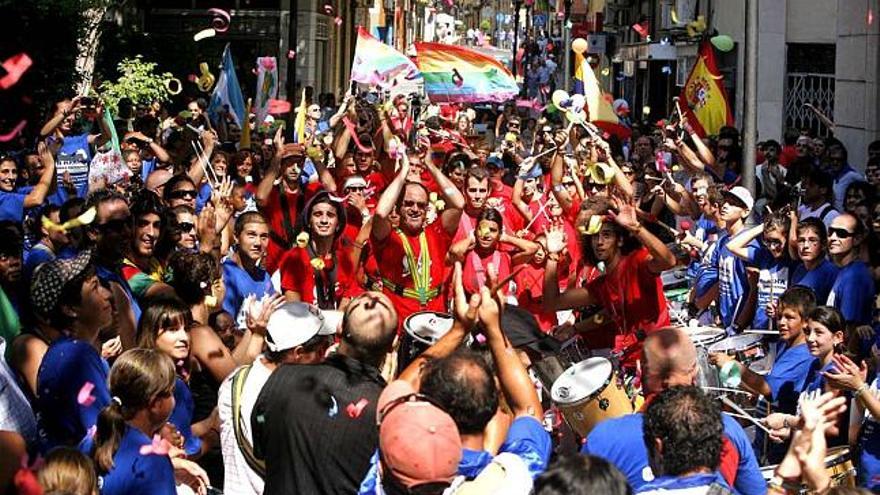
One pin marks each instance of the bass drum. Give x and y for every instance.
(588, 393)
(421, 331)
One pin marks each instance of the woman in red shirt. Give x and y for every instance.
(317, 270)
(483, 247)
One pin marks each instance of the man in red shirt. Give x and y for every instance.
(630, 290)
(282, 203)
(410, 257)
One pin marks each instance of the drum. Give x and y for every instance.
(588, 393)
(551, 367)
(421, 331)
(744, 348)
(838, 465)
(703, 338)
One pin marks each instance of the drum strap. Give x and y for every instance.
(247, 450)
(420, 270)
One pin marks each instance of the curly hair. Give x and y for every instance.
(582, 475)
(462, 383)
(192, 275)
(600, 205)
(688, 424)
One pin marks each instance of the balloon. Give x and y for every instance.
(577, 103)
(559, 98)
(579, 45)
(722, 42)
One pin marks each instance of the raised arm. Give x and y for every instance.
(39, 192)
(106, 134)
(660, 257)
(324, 175)
(573, 297)
(197, 171)
(451, 195)
(381, 224)
(526, 249)
(63, 110)
(264, 189)
(738, 245)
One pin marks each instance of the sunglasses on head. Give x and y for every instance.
(183, 193)
(184, 227)
(115, 225)
(840, 233)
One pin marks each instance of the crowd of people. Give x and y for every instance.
(215, 314)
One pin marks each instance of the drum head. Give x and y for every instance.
(735, 343)
(427, 327)
(705, 336)
(581, 380)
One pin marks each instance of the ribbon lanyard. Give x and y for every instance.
(421, 274)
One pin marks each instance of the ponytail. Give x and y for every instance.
(108, 435)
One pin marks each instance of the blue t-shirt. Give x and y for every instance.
(203, 197)
(240, 284)
(107, 275)
(182, 417)
(814, 386)
(788, 375)
(704, 230)
(773, 277)
(853, 293)
(869, 445)
(733, 284)
(620, 442)
(12, 206)
(67, 366)
(75, 157)
(819, 279)
(669, 485)
(707, 272)
(147, 168)
(134, 473)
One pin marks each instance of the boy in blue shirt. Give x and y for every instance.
(243, 272)
(737, 294)
(14, 202)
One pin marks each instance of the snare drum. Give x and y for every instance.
(744, 348)
(551, 367)
(703, 338)
(421, 331)
(588, 393)
(838, 465)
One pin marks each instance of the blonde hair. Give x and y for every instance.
(137, 377)
(68, 471)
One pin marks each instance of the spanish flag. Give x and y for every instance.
(598, 107)
(706, 106)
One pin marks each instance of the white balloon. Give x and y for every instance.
(577, 102)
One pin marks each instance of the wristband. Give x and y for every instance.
(861, 390)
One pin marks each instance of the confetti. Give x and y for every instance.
(204, 33)
(606, 71)
(870, 18)
(85, 397)
(595, 225)
(328, 9)
(9, 136)
(641, 28)
(317, 263)
(221, 20)
(15, 67)
(334, 408)
(206, 80)
(159, 446)
(338, 21)
(291, 54)
(666, 70)
(302, 239)
(674, 15)
(354, 410)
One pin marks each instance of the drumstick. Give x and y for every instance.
(761, 332)
(748, 417)
(541, 210)
(824, 118)
(505, 280)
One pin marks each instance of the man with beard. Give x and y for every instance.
(410, 258)
(143, 272)
(242, 272)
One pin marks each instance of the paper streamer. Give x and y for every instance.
(15, 67)
(9, 136)
(204, 33)
(221, 20)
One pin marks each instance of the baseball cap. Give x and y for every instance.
(418, 441)
(293, 324)
(293, 150)
(50, 278)
(494, 160)
(742, 195)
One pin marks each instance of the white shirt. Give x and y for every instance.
(239, 478)
(805, 212)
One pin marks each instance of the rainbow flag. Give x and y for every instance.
(707, 108)
(598, 106)
(376, 63)
(457, 75)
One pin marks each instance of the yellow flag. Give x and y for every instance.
(245, 141)
(299, 124)
(707, 107)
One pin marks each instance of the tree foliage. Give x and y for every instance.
(138, 81)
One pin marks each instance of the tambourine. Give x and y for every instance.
(169, 85)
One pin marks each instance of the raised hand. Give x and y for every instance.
(626, 215)
(555, 239)
(278, 142)
(258, 312)
(847, 375)
(465, 310)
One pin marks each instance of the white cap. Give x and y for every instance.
(293, 324)
(742, 194)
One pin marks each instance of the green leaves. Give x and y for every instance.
(139, 81)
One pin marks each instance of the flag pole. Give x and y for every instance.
(750, 112)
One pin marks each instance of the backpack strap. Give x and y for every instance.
(247, 450)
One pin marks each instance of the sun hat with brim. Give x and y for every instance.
(293, 324)
(50, 279)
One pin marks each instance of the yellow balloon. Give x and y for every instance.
(579, 45)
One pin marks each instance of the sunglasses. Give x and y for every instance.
(414, 397)
(183, 193)
(355, 188)
(184, 227)
(115, 225)
(407, 203)
(840, 233)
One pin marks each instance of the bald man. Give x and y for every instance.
(315, 424)
(669, 358)
(157, 179)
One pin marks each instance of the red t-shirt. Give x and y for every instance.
(393, 265)
(530, 295)
(275, 216)
(633, 296)
(475, 269)
(298, 275)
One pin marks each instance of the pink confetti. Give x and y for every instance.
(338, 21)
(870, 17)
(15, 67)
(160, 446)
(291, 54)
(14, 132)
(192, 78)
(328, 9)
(641, 28)
(85, 397)
(354, 410)
(221, 20)
(456, 78)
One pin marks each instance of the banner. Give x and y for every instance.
(227, 93)
(598, 107)
(454, 74)
(267, 87)
(706, 106)
(377, 63)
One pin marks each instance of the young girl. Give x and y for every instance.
(771, 260)
(142, 387)
(68, 470)
(808, 241)
(165, 326)
(483, 248)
